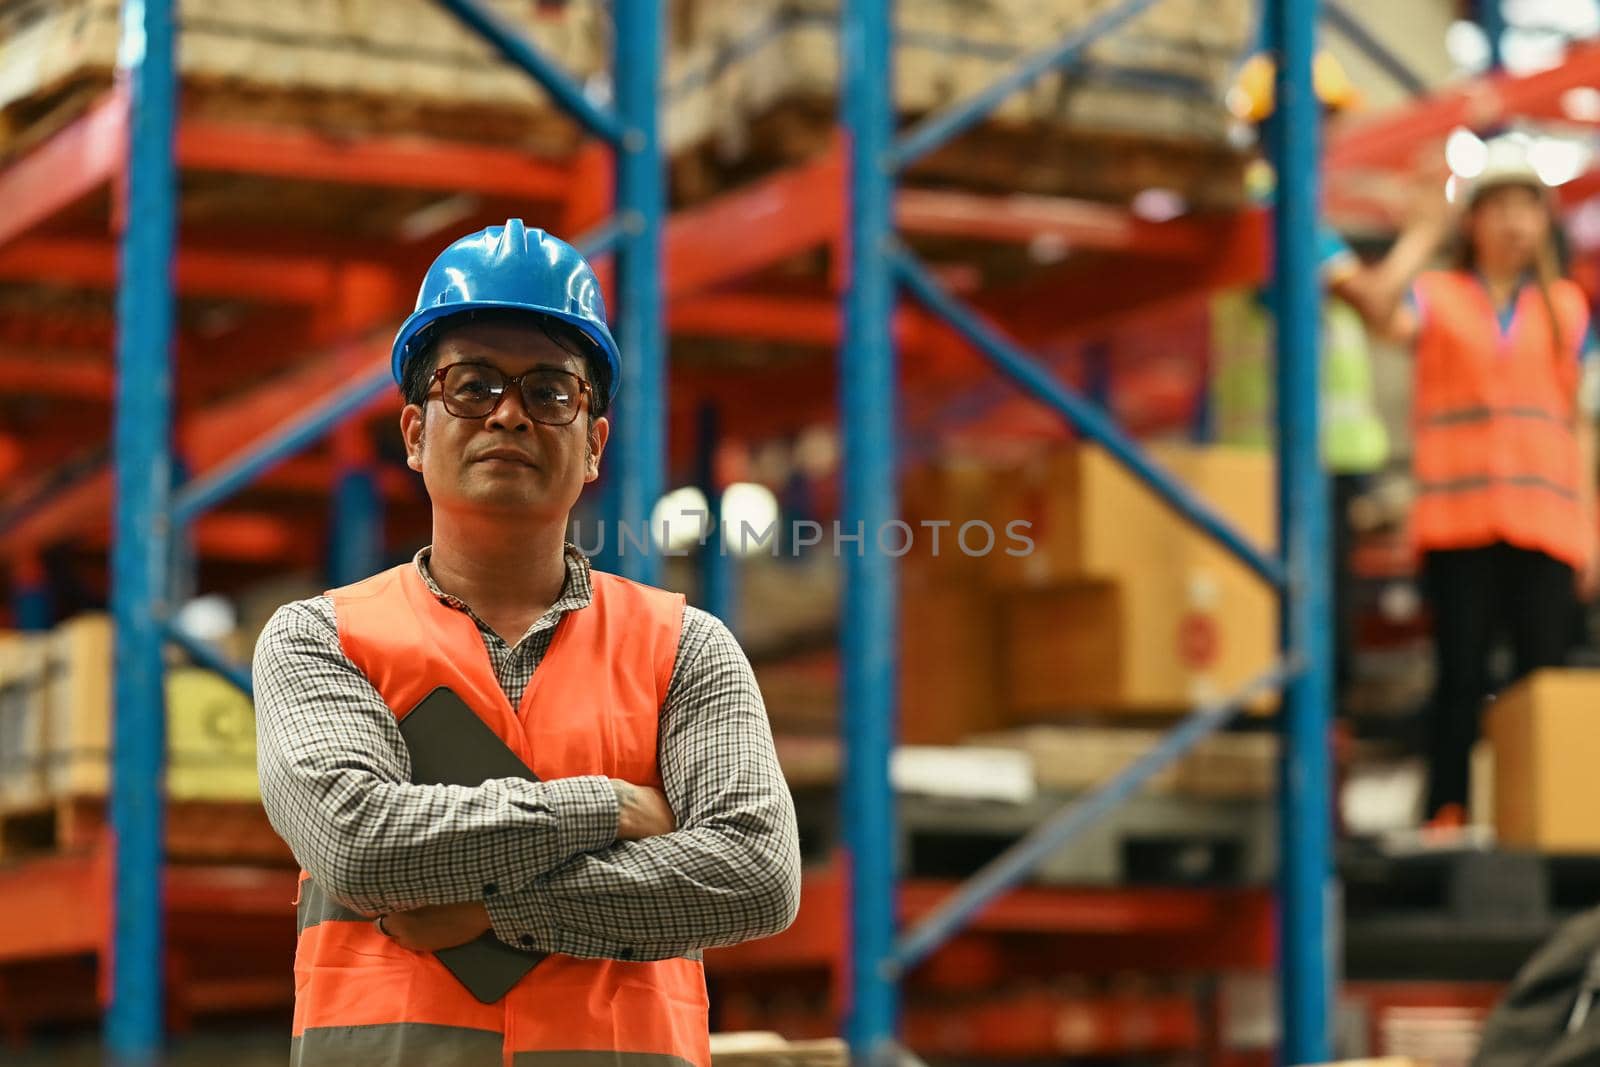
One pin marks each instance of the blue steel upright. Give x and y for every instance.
(142, 454)
(637, 476)
(355, 540)
(869, 632)
(1306, 822)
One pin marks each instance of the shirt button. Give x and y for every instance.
(526, 939)
(627, 953)
(490, 890)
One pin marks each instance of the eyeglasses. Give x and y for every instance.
(474, 390)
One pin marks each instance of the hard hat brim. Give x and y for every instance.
(423, 318)
(1507, 180)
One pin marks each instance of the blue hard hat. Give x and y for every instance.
(516, 268)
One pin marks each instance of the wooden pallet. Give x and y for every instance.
(197, 831)
(1468, 885)
(1149, 840)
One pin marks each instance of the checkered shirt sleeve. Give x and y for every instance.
(731, 871)
(335, 782)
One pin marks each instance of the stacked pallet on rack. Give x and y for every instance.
(55, 745)
(739, 75)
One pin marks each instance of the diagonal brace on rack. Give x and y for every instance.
(1083, 415)
(520, 52)
(1009, 868)
(209, 658)
(936, 129)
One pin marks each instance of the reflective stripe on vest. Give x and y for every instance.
(1496, 453)
(592, 707)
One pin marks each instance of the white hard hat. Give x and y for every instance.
(1506, 162)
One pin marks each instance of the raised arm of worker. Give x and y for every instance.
(335, 782)
(1378, 293)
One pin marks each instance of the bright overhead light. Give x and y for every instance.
(1574, 18)
(679, 519)
(1158, 205)
(1465, 152)
(749, 511)
(1468, 46)
(1581, 104)
(1527, 51)
(1559, 160)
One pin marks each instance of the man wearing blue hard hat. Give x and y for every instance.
(525, 794)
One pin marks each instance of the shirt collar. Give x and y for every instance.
(577, 590)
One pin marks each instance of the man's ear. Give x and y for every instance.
(599, 434)
(411, 432)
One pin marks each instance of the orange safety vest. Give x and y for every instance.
(1496, 449)
(592, 707)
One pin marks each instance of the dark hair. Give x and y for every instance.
(417, 375)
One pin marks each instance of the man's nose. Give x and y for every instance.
(511, 414)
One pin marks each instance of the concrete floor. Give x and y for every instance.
(255, 1046)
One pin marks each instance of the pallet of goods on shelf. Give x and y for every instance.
(24, 678)
(1114, 605)
(56, 799)
(1077, 756)
(1146, 110)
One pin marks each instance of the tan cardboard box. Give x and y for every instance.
(1155, 644)
(210, 724)
(1546, 740)
(1090, 519)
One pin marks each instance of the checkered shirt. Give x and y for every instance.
(542, 856)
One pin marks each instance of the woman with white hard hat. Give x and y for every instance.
(1504, 460)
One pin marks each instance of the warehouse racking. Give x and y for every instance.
(243, 441)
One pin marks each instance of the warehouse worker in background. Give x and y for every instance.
(1504, 461)
(661, 824)
(1355, 443)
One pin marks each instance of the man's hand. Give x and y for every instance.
(643, 812)
(437, 926)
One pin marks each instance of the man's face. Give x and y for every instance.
(505, 462)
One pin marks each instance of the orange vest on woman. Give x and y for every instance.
(1496, 449)
(591, 707)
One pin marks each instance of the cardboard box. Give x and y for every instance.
(949, 662)
(1123, 606)
(210, 724)
(1546, 749)
(1090, 519)
(79, 701)
(23, 674)
(949, 504)
(1159, 643)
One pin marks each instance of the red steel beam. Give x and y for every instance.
(69, 166)
(755, 226)
(92, 263)
(205, 439)
(1080, 224)
(1391, 140)
(54, 906)
(399, 162)
(76, 375)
